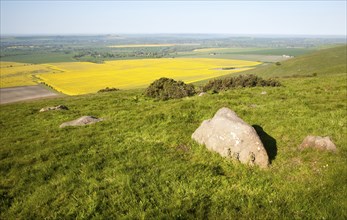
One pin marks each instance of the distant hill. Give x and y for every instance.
(322, 62)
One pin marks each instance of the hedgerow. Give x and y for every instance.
(239, 81)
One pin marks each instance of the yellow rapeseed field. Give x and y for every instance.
(83, 77)
(21, 74)
(75, 78)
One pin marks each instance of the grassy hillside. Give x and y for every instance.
(322, 62)
(140, 163)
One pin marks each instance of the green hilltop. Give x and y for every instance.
(141, 163)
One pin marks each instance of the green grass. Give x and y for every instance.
(323, 62)
(141, 163)
(132, 166)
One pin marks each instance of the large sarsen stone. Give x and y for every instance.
(231, 137)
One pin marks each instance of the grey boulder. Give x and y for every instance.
(84, 120)
(321, 143)
(59, 107)
(231, 137)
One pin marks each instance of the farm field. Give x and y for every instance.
(141, 45)
(247, 53)
(257, 51)
(248, 57)
(151, 45)
(225, 49)
(39, 57)
(98, 49)
(83, 77)
(21, 74)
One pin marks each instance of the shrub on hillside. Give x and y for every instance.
(165, 88)
(107, 89)
(239, 81)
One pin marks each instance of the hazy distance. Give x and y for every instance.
(151, 17)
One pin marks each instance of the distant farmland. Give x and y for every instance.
(142, 45)
(76, 78)
(151, 45)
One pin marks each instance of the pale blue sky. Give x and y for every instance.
(230, 17)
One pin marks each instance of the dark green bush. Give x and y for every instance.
(107, 89)
(239, 81)
(165, 88)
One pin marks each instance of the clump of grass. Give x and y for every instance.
(165, 88)
(239, 81)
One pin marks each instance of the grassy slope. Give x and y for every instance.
(131, 164)
(326, 61)
(323, 62)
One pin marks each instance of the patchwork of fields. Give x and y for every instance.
(74, 78)
(141, 45)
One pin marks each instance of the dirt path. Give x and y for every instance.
(21, 93)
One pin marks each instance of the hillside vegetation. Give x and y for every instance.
(140, 162)
(323, 62)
